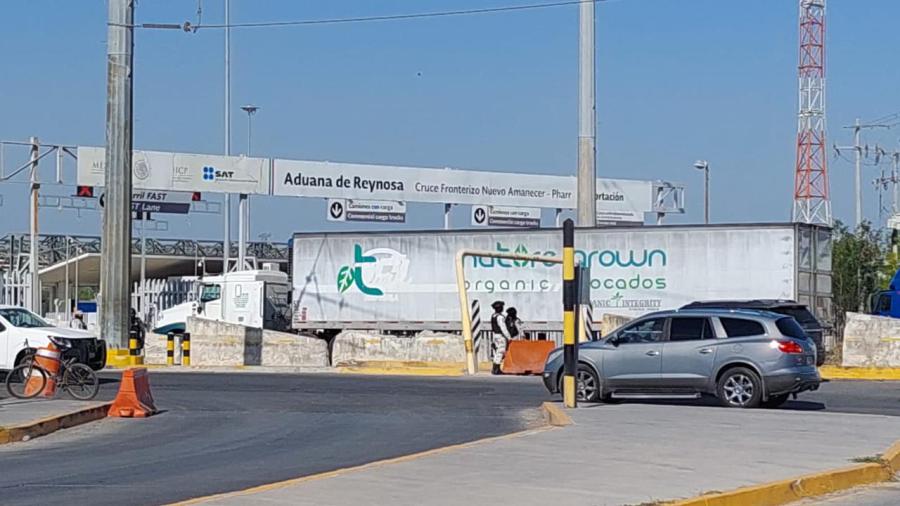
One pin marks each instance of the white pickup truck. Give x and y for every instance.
(22, 331)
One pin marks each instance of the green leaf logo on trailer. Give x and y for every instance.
(350, 275)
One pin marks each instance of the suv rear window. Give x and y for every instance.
(739, 327)
(790, 328)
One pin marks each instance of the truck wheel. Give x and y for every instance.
(739, 388)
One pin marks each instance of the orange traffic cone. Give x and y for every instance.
(47, 359)
(134, 398)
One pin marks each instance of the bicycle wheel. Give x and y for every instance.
(26, 380)
(80, 382)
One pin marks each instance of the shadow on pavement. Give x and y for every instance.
(708, 402)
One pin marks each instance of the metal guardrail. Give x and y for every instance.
(53, 248)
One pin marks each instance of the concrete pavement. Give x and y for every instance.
(613, 455)
(17, 411)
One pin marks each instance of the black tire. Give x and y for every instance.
(80, 382)
(587, 384)
(26, 381)
(775, 401)
(739, 388)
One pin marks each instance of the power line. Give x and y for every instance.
(187, 26)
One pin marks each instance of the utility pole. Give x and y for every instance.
(587, 120)
(857, 128)
(226, 246)
(34, 258)
(895, 165)
(115, 260)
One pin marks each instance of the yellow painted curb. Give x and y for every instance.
(892, 457)
(860, 373)
(50, 424)
(810, 485)
(556, 416)
(394, 367)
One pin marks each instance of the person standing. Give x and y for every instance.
(500, 335)
(513, 323)
(77, 321)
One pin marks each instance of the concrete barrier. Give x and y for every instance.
(216, 343)
(871, 341)
(351, 347)
(155, 350)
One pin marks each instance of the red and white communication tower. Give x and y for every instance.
(812, 203)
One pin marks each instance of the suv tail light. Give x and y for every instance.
(789, 347)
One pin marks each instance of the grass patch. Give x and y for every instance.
(871, 459)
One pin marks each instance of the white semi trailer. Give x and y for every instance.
(405, 281)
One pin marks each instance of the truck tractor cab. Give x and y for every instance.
(258, 299)
(887, 302)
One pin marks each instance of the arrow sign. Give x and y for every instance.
(336, 210)
(505, 216)
(479, 215)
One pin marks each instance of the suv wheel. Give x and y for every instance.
(739, 388)
(587, 384)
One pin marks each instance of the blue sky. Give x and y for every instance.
(676, 81)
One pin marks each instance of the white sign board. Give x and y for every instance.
(156, 170)
(354, 181)
(410, 277)
(623, 200)
(505, 216)
(380, 211)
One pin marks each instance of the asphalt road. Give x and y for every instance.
(843, 396)
(223, 432)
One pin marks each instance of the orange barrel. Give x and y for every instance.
(48, 359)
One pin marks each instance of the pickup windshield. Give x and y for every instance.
(23, 318)
(799, 313)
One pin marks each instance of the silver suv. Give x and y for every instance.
(746, 358)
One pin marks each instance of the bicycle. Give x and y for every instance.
(28, 379)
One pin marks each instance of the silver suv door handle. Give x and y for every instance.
(652, 353)
(706, 351)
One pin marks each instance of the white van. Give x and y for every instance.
(22, 331)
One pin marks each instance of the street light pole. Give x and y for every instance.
(587, 119)
(244, 203)
(704, 166)
(226, 243)
(250, 110)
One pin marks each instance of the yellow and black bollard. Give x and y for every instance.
(186, 348)
(170, 348)
(134, 350)
(569, 294)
